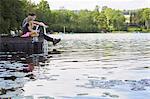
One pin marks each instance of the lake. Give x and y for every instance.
(85, 66)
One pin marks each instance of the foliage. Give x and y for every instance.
(13, 13)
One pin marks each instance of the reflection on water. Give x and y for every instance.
(15, 70)
(87, 66)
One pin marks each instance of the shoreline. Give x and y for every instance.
(118, 32)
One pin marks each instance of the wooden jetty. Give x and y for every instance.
(25, 45)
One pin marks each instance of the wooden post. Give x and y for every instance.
(64, 29)
(0, 44)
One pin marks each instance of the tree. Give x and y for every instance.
(118, 21)
(115, 19)
(146, 17)
(102, 22)
(11, 15)
(85, 21)
(12, 12)
(43, 11)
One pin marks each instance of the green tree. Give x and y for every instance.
(146, 17)
(115, 19)
(118, 20)
(12, 12)
(85, 21)
(109, 13)
(11, 15)
(102, 22)
(43, 11)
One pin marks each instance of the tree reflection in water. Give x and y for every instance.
(15, 70)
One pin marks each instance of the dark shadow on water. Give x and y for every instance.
(15, 70)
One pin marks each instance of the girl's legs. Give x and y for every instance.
(32, 34)
(26, 34)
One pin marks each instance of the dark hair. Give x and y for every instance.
(31, 14)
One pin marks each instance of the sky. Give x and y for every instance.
(90, 4)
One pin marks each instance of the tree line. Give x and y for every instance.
(12, 13)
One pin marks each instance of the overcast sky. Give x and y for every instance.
(90, 4)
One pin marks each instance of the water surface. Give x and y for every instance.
(89, 66)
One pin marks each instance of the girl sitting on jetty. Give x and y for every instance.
(28, 25)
